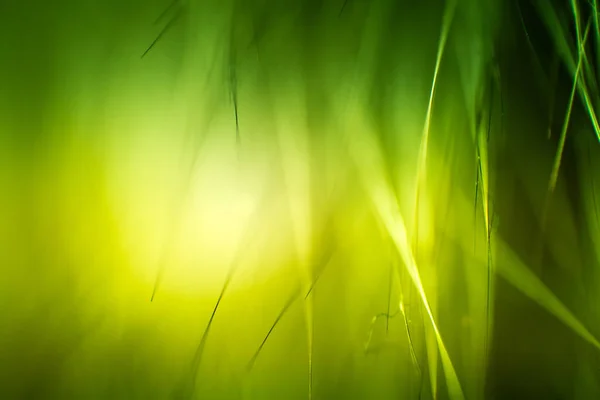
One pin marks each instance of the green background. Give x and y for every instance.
(405, 209)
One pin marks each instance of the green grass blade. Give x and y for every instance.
(512, 268)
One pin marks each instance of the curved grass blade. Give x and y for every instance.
(164, 31)
(594, 5)
(200, 349)
(248, 235)
(563, 135)
(588, 77)
(343, 7)
(512, 268)
(421, 178)
(284, 309)
(370, 162)
(559, 152)
(367, 155)
(563, 47)
(424, 145)
(374, 320)
(166, 11)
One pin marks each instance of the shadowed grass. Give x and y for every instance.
(561, 144)
(369, 161)
(343, 7)
(293, 297)
(511, 268)
(337, 86)
(323, 263)
(167, 11)
(565, 127)
(594, 5)
(564, 47)
(423, 148)
(168, 26)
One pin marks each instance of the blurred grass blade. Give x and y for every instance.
(421, 180)
(164, 30)
(565, 127)
(566, 49)
(284, 309)
(424, 145)
(370, 163)
(511, 268)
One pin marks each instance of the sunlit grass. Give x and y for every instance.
(262, 199)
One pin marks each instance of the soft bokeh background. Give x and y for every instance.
(324, 199)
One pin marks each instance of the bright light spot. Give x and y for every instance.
(192, 228)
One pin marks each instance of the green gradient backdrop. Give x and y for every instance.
(359, 234)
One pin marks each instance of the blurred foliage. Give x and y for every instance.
(268, 199)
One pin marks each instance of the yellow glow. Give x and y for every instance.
(191, 227)
(212, 227)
